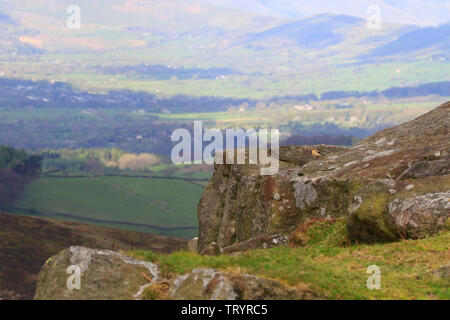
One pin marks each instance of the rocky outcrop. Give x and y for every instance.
(108, 275)
(387, 210)
(211, 284)
(239, 204)
(427, 169)
(369, 183)
(104, 275)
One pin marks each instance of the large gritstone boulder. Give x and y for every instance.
(103, 275)
(371, 182)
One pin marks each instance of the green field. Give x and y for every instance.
(168, 205)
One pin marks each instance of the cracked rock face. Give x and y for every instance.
(305, 194)
(427, 169)
(212, 284)
(104, 275)
(420, 216)
(240, 204)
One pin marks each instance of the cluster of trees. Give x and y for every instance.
(17, 93)
(16, 169)
(19, 162)
(97, 161)
(76, 130)
(104, 155)
(326, 133)
(438, 88)
(435, 88)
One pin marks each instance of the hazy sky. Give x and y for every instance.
(419, 12)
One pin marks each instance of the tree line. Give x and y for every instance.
(434, 88)
(19, 93)
(16, 169)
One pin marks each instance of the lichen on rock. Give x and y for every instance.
(305, 194)
(239, 203)
(420, 216)
(105, 275)
(212, 284)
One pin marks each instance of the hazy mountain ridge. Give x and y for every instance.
(415, 40)
(317, 31)
(420, 12)
(4, 18)
(140, 25)
(176, 18)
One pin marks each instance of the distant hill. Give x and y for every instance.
(420, 12)
(135, 24)
(6, 19)
(27, 242)
(418, 39)
(324, 34)
(168, 16)
(318, 31)
(107, 24)
(40, 27)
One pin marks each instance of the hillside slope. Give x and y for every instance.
(27, 242)
(416, 40)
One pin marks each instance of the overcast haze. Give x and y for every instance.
(419, 12)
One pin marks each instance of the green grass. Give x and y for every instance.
(160, 202)
(333, 271)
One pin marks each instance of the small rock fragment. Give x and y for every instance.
(211, 250)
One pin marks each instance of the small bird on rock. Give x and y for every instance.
(315, 153)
